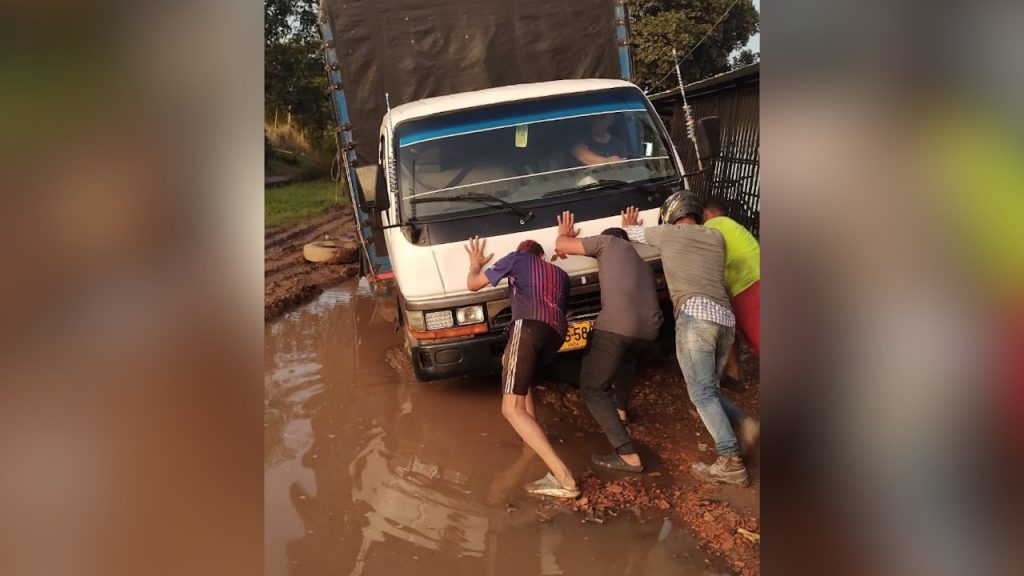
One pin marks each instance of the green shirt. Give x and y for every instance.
(742, 254)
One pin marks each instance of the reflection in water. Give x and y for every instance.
(368, 472)
(415, 500)
(550, 538)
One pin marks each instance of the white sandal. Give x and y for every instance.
(550, 486)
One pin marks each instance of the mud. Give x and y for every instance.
(368, 472)
(671, 437)
(288, 279)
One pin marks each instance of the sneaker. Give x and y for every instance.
(747, 433)
(550, 486)
(614, 462)
(726, 470)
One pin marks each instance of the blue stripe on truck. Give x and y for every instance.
(432, 128)
(622, 36)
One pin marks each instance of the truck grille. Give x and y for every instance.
(581, 306)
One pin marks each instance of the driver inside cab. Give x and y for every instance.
(599, 146)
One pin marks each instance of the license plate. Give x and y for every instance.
(576, 336)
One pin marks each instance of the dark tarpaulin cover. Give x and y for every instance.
(415, 49)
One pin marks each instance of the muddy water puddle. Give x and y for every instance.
(368, 472)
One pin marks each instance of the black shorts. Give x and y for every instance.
(531, 345)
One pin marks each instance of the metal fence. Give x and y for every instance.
(735, 176)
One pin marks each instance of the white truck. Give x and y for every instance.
(497, 162)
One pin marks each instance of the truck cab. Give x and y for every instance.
(501, 164)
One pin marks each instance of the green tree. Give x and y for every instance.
(744, 57)
(661, 25)
(294, 78)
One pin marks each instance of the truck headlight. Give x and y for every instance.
(469, 315)
(415, 320)
(439, 320)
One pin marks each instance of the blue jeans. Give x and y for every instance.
(701, 348)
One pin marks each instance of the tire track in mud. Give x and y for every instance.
(288, 279)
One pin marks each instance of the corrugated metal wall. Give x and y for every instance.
(735, 175)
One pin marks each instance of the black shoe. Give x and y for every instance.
(613, 462)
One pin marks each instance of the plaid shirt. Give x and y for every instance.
(699, 307)
(707, 309)
(637, 234)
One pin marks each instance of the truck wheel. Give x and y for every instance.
(331, 252)
(420, 376)
(364, 264)
(407, 348)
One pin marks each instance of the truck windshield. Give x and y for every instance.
(527, 150)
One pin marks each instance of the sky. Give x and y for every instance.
(755, 41)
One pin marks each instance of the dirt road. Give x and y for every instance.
(288, 279)
(369, 472)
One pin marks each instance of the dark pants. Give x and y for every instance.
(531, 345)
(611, 359)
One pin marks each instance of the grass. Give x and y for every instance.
(289, 151)
(303, 201)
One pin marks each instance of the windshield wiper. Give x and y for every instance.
(599, 185)
(602, 184)
(525, 215)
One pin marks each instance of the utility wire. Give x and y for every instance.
(697, 45)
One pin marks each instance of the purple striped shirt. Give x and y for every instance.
(538, 289)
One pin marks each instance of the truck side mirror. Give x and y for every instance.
(709, 139)
(372, 188)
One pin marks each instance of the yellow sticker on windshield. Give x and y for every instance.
(521, 132)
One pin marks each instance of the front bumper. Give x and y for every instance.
(481, 354)
(472, 356)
